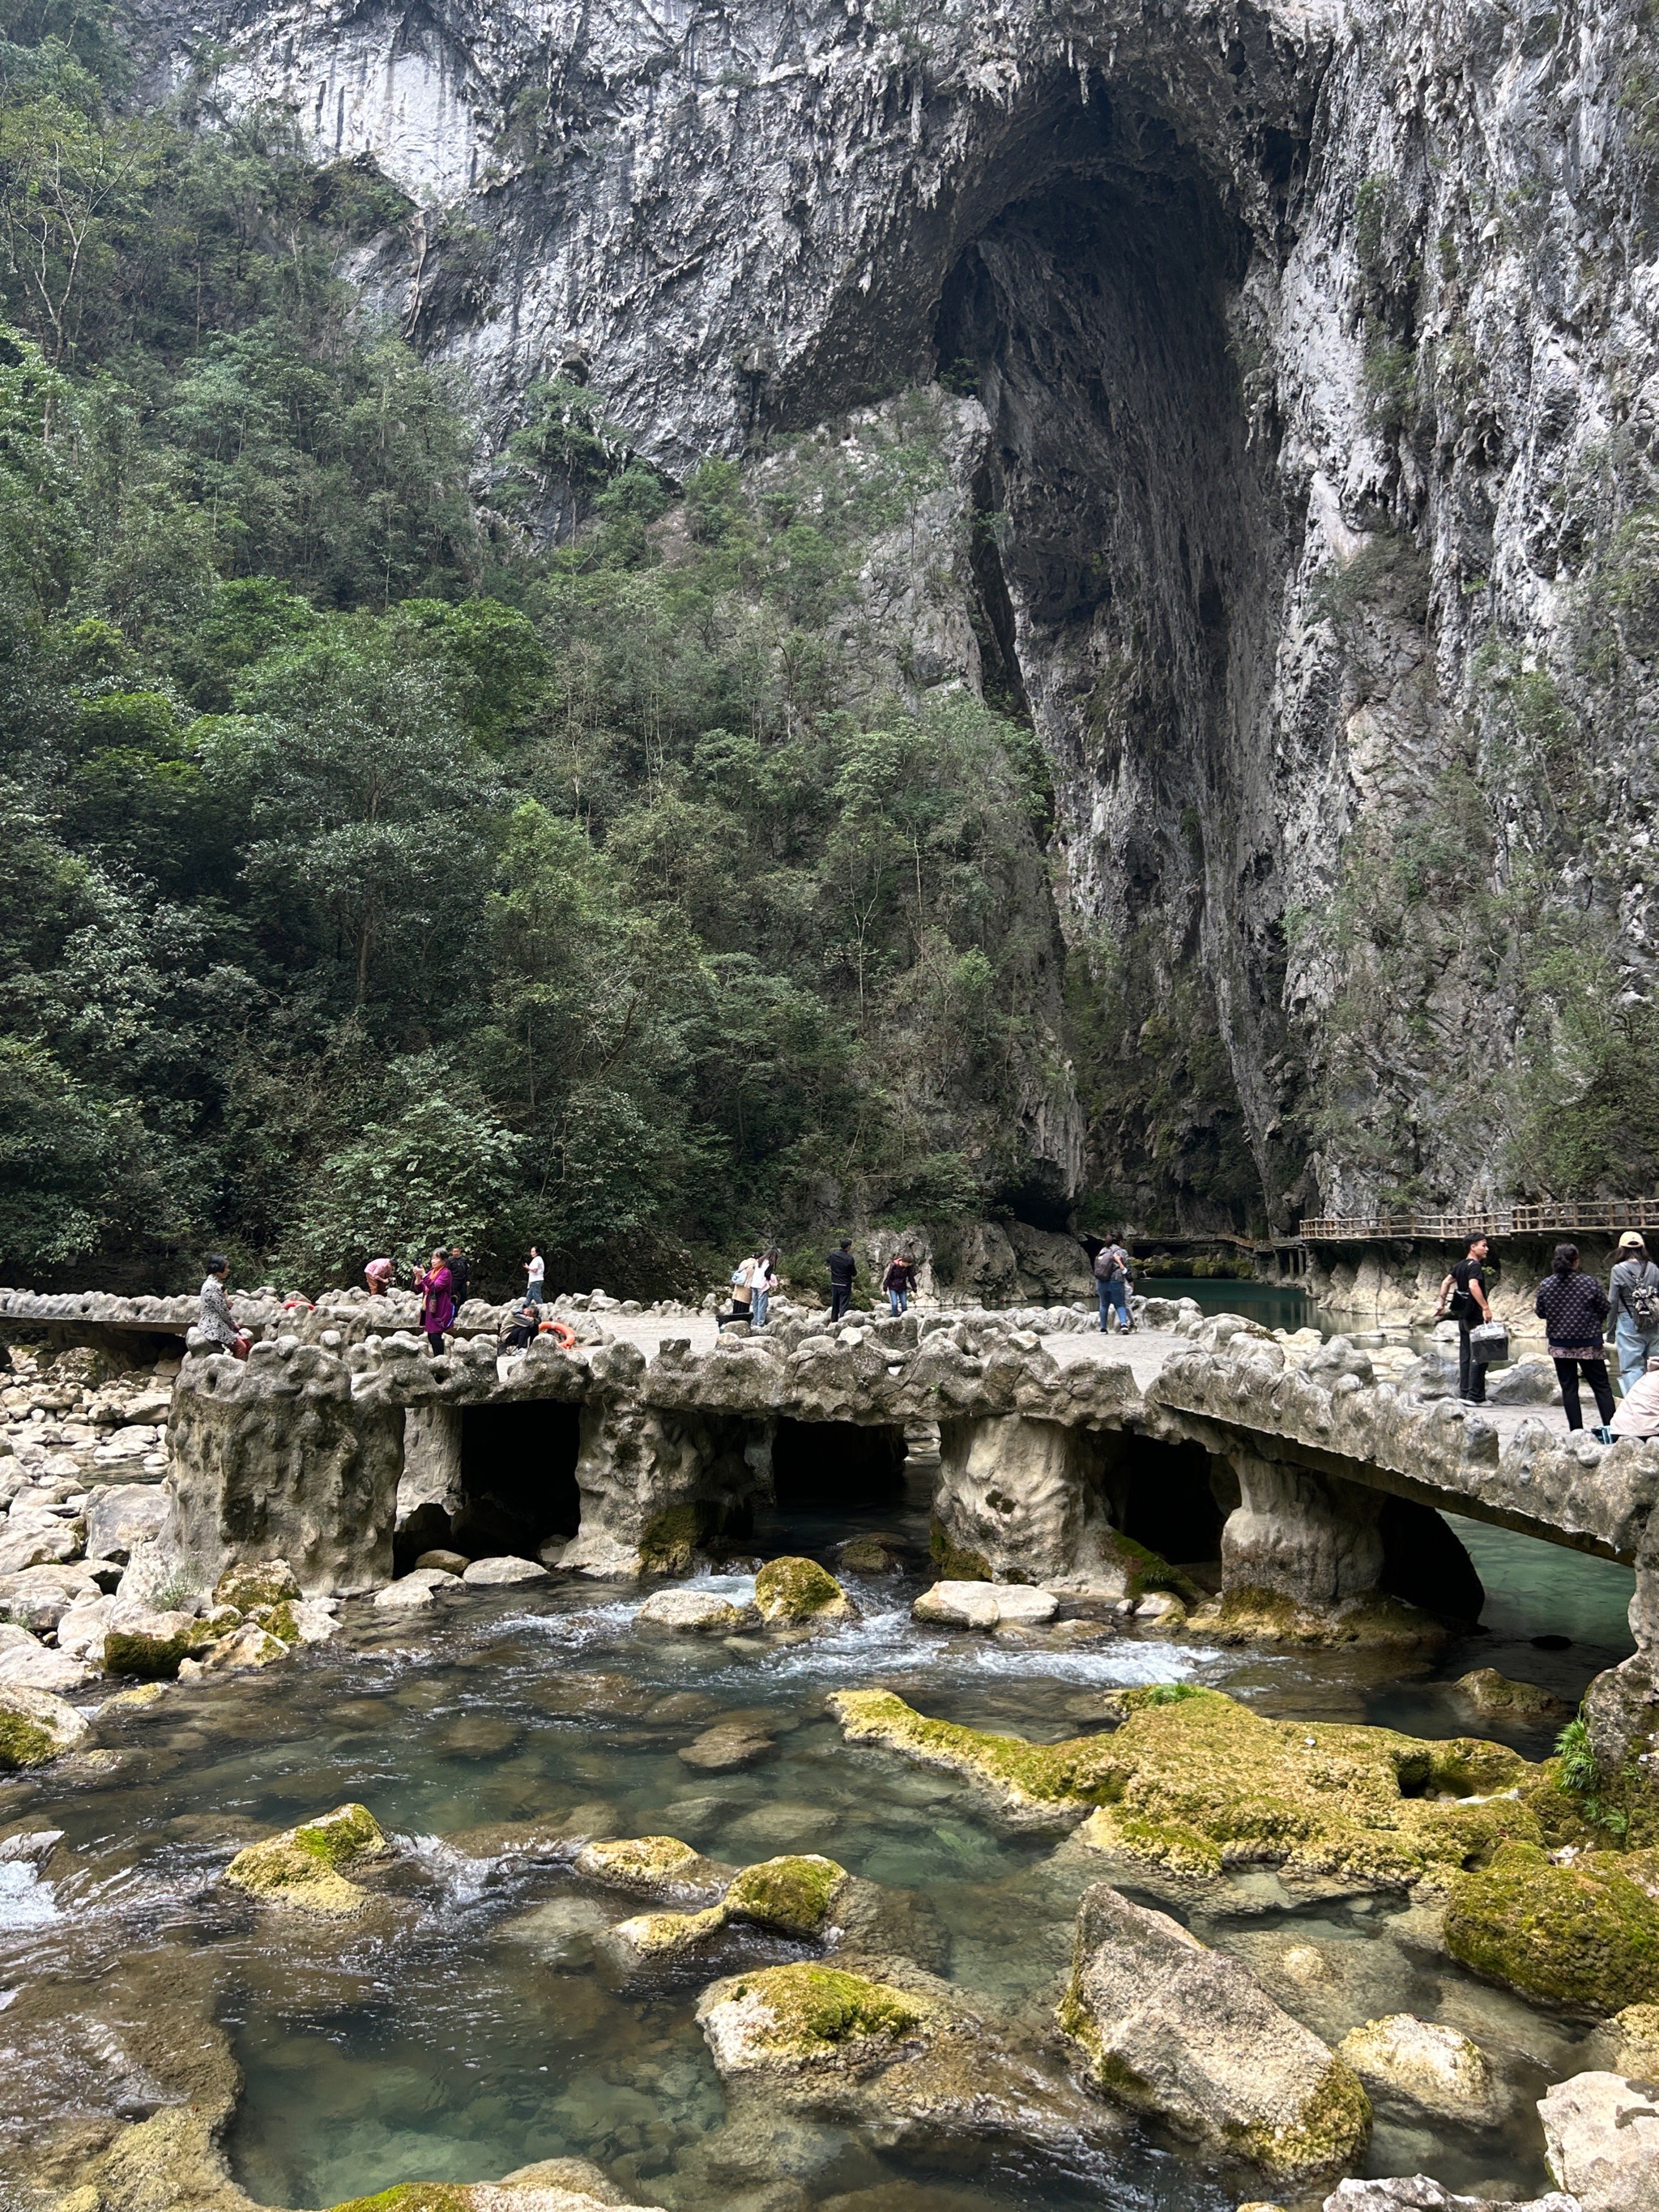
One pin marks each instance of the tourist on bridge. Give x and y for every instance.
(899, 1280)
(535, 1269)
(742, 1294)
(1113, 1283)
(217, 1323)
(842, 1268)
(1633, 1307)
(1463, 1296)
(378, 1275)
(1639, 1409)
(762, 1281)
(459, 1271)
(1572, 1307)
(436, 1286)
(523, 1319)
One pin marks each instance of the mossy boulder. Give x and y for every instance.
(256, 1587)
(1186, 1777)
(151, 1646)
(799, 1590)
(1496, 1697)
(302, 1867)
(1376, 1621)
(670, 1543)
(667, 1934)
(556, 2185)
(35, 1727)
(1583, 1932)
(955, 1562)
(1170, 2026)
(786, 2018)
(652, 1866)
(796, 1895)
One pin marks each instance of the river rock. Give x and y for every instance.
(31, 1665)
(799, 1590)
(1529, 1382)
(243, 1650)
(1496, 1696)
(448, 1563)
(1602, 2141)
(1416, 2193)
(409, 1594)
(702, 1613)
(39, 1598)
(727, 1745)
(1173, 2027)
(303, 1866)
(151, 1645)
(38, 1543)
(1426, 2065)
(123, 1516)
(660, 1867)
(256, 1586)
(868, 1555)
(1635, 2036)
(35, 1726)
(985, 1605)
(498, 1573)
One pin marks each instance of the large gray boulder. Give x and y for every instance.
(1601, 2139)
(1417, 2193)
(36, 1726)
(1172, 2027)
(121, 1516)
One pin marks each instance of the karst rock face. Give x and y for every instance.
(1315, 349)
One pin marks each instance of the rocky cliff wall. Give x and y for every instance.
(1316, 350)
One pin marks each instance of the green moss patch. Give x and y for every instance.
(670, 1543)
(23, 1742)
(302, 1866)
(810, 2010)
(153, 1658)
(794, 1895)
(956, 1563)
(1192, 1777)
(799, 1589)
(1585, 1933)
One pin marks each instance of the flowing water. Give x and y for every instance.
(473, 2020)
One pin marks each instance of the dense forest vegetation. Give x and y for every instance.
(375, 867)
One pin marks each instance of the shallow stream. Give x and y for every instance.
(471, 2023)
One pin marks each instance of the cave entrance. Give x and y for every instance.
(518, 1479)
(837, 1467)
(1164, 1496)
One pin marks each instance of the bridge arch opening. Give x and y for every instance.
(838, 1466)
(510, 1487)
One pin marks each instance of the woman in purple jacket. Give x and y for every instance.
(1572, 1307)
(437, 1301)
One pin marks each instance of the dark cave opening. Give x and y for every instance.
(518, 1479)
(1164, 1498)
(836, 1467)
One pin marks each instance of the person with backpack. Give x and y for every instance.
(742, 1295)
(898, 1281)
(1572, 1307)
(762, 1283)
(1633, 1308)
(1113, 1284)
(842, 1268)
(1463, 1296)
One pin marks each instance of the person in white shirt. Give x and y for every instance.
(762, 1281)
(1639, 1409)
(535, 1268)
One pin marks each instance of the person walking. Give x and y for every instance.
(1112, 1284)
(842, 1269)
(216, 1322)
(459, 1272)
(378, 1275)
(1463, 1296)
(898, 1281)
(762, 1283)
(1572, 1307)
(1633, 1308)
(535, 1270)
(436, 1286)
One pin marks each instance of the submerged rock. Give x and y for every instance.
(1174, 2028)
(792, 1589)
(36, 1726)
(1420, 2194)
(1602, 2141)
(1196, 1782)
(727, 1745)
(653, 1866)
(1425, 2063)
(302, 1866)
(1583, 1932)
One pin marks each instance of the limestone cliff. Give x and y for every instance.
(1316, 346)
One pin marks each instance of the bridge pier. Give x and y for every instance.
(656, 1485)
(1019, 1500)
(1311, 1538)
(1621, 1707)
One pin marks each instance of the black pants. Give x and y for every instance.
(1471, 1371)
(1594, 1372)
(841, 1297)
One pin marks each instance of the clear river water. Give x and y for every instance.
(473, 2023)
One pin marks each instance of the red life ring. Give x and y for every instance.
(562, 1335)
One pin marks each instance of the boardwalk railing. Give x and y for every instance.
(1607, 1216)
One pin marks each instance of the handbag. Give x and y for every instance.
(1490, 1341)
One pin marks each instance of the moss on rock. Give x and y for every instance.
(1202, 1773)
(1584, 1934)
(787, 2017)
(795, 1895)
(1147, 1570)
(671, 1540)
(153, 1647)
(256, 1587)
(1169, 1846)
(36, 1726)
(648, 1866)
(666, 1935)
(1252, 1615)
(302, 1866)
(795, 1590)
(956, 1563)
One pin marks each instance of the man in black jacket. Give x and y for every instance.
(842, 1268)
(458, 1276)
(1463, 1295)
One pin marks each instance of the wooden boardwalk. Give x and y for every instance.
(1605, 1217)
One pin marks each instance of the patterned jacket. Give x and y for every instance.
(217, 1320)
(1572, 1309)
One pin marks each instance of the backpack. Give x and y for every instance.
(1107, 1269)
(1642, 1299)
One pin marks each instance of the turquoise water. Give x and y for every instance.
(1271, 1304)
(475, 2019)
